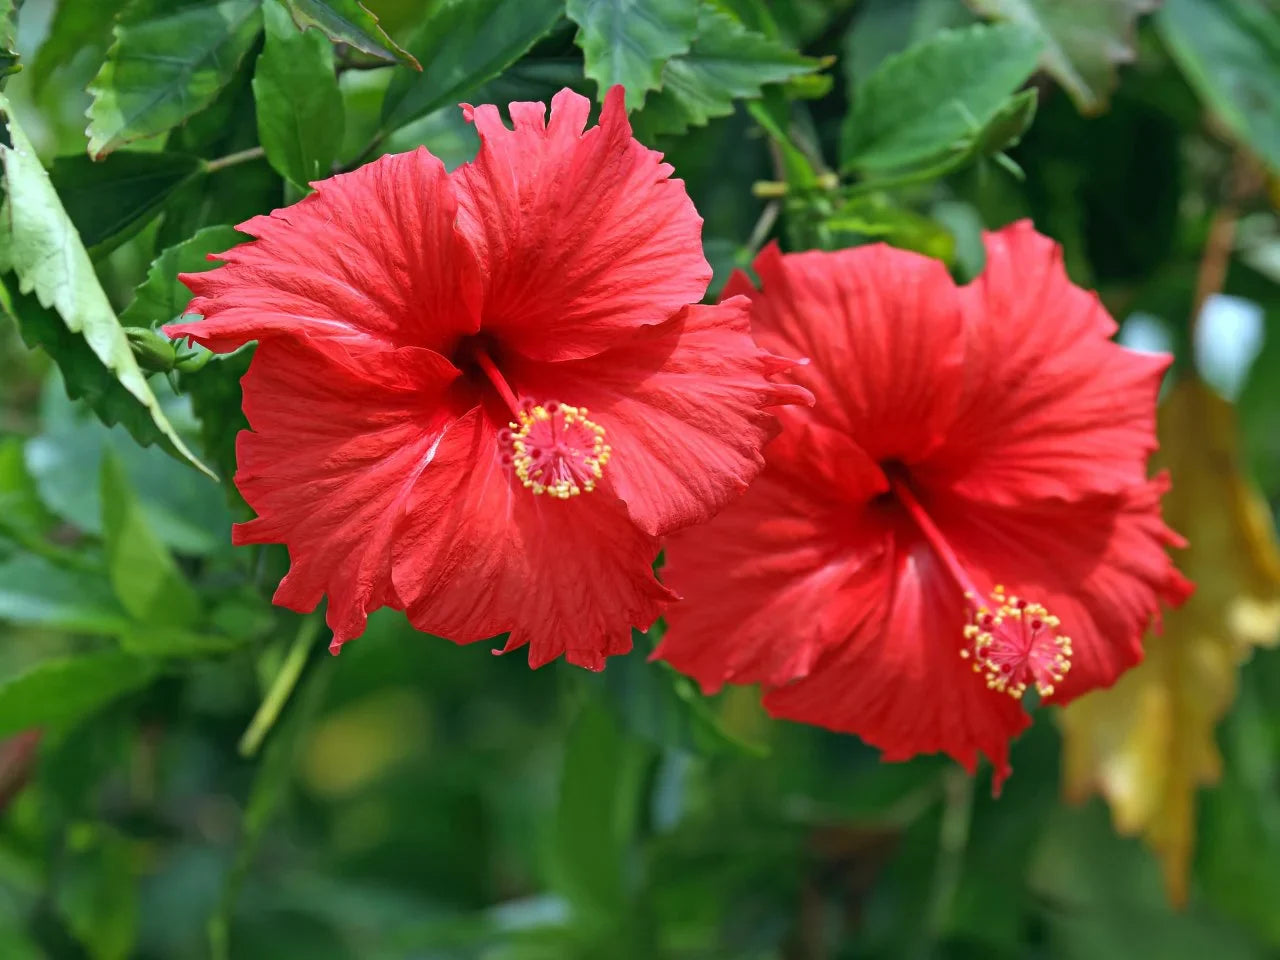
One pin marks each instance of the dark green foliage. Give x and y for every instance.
(463, 44)
(110, 200)
(207, 782)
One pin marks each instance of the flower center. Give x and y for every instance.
(1013, 641)
(555, 449)
(1016, 643)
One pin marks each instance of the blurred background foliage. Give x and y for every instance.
(186, 774)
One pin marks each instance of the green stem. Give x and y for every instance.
(370, 148)
(953, 840)
(768, 217)
(282, 687)
(231, 159)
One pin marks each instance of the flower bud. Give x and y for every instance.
(153, 351)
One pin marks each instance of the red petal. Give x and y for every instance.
(478, 555)
(782, 575)
(807, 580)
(1099, 564)
(338, 438)
(372, 256)
(898, 681)
(686, 409)
(584, 236)
(1053, 408)
(882, 331)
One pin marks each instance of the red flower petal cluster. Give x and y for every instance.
(482, 396)
(963, 516)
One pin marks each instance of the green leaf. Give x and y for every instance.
(35, 592)
(629, 41)
(875, 216)
(464, 43)
(8, 38)
(1230, 52)
(216, 398)
(598, 813)
(1100, 897)
(22, 515)
(299, 107)
(1238, 854)
(1084, 40)
(347, 21)
(1008, 124)
(726, 62)
(110, 200)
(534, 78)
(157, 641)
(664, 707)
(162, 298)
(180, 505)
(39, 243)
(76, 25)
(886, 27)
(773, 113)
(61, 692)
(82, 372)
(165, 65)
(97, 890)
(271, 784)
(752, 14)
(16, 944)
(918, 104)
(142, 571)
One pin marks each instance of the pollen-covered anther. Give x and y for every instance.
(1015, 644)
(556, 450)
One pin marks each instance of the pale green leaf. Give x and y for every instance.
(166, 65)
(39, 243)
(628, 41)
(299, 106)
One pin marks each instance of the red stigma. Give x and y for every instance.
(556, 450)
(1016, 644)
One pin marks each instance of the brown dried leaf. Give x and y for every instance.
(1147, 744)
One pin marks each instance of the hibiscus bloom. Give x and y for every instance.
(963, 516)
(482, 396)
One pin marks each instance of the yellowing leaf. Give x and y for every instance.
(1147, 743)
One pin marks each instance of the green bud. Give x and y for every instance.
(153, 350)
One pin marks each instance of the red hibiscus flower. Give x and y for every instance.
(482, 396)
(963, 516)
